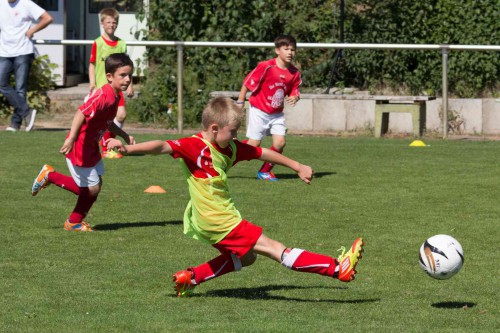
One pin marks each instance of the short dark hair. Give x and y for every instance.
(117, 60)
(285, 40)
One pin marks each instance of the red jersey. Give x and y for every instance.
(99, 110)
(270, 84)
(196, 154)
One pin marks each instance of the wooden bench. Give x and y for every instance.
(415, 105)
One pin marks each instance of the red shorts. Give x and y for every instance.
(240, 240)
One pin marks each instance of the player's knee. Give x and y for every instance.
(248, 259)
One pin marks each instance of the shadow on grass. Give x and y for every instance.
(52, 129)
(121, 225)
(264, 293)
(453, 305)
(290, 175)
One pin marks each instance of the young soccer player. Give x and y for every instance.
(272, 83)
(103, 46)
(81, 146)
(211, 215)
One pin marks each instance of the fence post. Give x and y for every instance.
(445, 51)
(180, 69)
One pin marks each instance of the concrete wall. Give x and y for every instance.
(331, 113)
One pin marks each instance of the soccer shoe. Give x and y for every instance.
(12, 129)
(267, 176)
(82, 226)
(111, 154)
(349, 260)
(183, 284)
(42, 180)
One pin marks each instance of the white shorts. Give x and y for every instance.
(261, 124)
(86, 177)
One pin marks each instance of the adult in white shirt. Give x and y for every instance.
(17, 51)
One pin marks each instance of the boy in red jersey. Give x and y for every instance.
(103, 46)
(81, 146)
(272, 83)
(211, 216)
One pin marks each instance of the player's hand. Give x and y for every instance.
(112, 143)
(130, 91)
(292, 100)
(66, 147)
(305, 173)
(92, 88)
(132, 140)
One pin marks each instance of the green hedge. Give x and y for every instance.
(471, 74)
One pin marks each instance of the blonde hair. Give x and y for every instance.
(221, 111)
(109, 12)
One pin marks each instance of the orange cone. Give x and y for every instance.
(155, 189)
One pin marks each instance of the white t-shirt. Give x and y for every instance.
(15, 20)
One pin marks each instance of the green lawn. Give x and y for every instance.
(118, 278)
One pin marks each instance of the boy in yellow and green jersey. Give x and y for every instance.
(102, 48)
(211, 215)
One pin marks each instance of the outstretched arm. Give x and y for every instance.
(305, 172)
(150, 147)
(129, 139)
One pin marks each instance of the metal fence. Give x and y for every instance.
(180, 45)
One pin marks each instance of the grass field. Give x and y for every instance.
(118, 278)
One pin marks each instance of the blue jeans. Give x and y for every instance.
(20, 66)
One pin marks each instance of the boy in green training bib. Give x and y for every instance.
(211, 215)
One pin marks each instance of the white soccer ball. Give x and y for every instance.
(441, 256)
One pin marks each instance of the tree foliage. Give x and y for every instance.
(316, 21)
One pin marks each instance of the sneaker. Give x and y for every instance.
(184, 285)
(267, 176)
(82, 226)
(30, 120)
(111, 154)
(349, 260)
(12, 129)
(42, 180)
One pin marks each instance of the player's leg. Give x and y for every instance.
(89, 181)
(278, 146)
(235, 251)
(277, 129)
(257, 127)
(304, 261)
(48, 175)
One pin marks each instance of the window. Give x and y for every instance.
(123, 6)
(48, 5)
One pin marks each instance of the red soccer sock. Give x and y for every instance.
(304, 261)
(63, 181)
(107, 135)
(216, 267)
(267, 167)
(83, 205)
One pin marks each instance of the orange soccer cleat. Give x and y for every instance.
(82, 226)
(42, 180)
(349, 260)
(184, 282)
